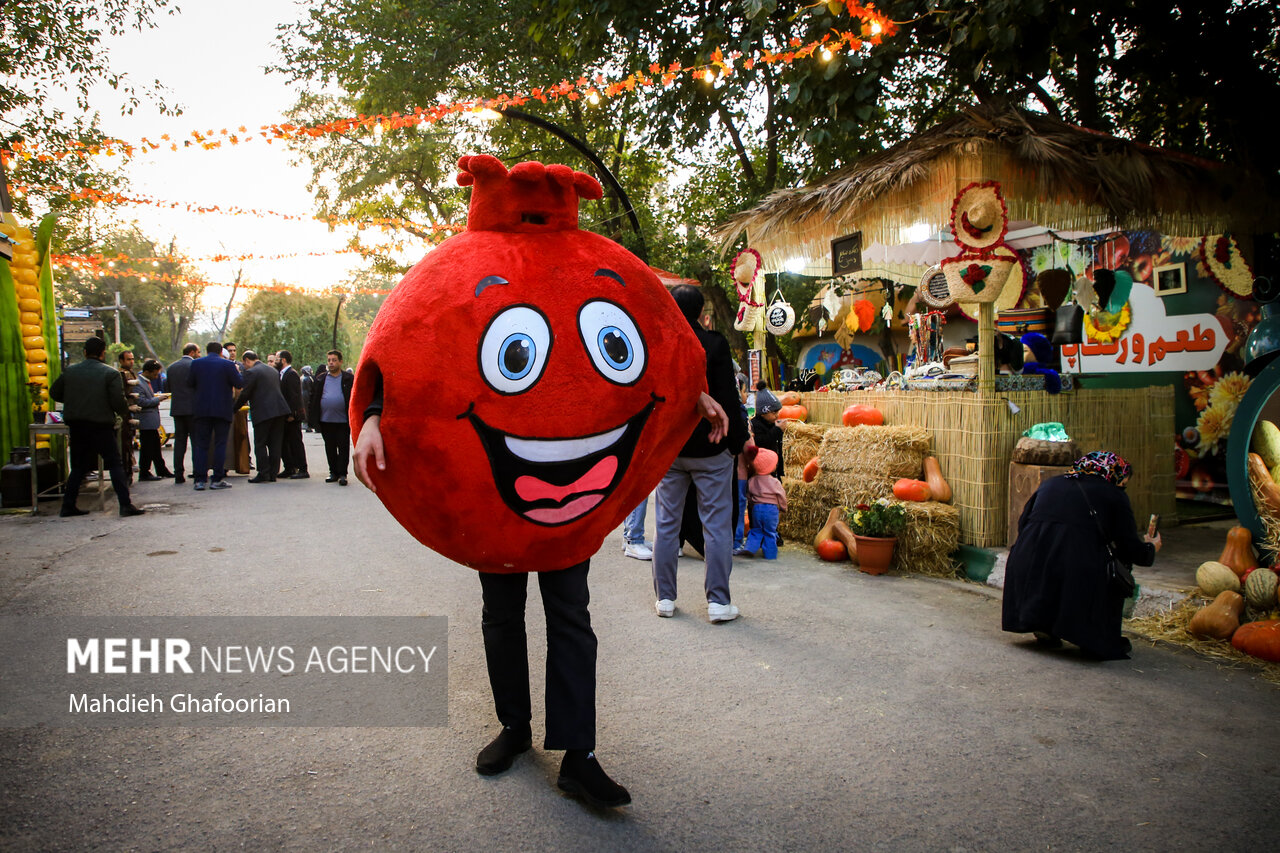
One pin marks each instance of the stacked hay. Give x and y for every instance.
(800, 443)
(860, 464)
(808, 505)
(932, 534)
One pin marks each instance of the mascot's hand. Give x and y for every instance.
(370, 444)
(707, 407)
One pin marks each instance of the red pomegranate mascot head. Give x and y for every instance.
(538, 380)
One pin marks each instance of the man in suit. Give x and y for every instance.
(295, 454)
(330, 398)
(212, 380)
(268, 410)
(92, 394)
(180, 408)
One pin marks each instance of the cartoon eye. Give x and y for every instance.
(514, 349)
(612, 341)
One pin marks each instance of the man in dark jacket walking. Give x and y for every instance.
(710, 467)
(268, 409)
(180, 408)
(92, 394)
(330, 399)
(295, 453)
(212, 380)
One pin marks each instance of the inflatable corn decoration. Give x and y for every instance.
(29, 338)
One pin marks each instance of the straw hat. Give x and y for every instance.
(977, 276)
(979, 216)
(1227, 266)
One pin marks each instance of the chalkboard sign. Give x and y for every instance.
(934, 289)
(846, 254)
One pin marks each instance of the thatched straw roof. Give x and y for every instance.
(1053, 174)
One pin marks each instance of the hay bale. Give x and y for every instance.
(932, 534)
(1170, 626)
(854, 487)
(885, 452)
(800, 443)
(808, 505)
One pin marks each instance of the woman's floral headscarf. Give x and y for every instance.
(1104, 464)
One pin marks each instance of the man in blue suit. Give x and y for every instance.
(212, 380)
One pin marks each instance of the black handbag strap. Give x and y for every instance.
(1105, 541)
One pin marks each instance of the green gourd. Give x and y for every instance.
(1260, 588)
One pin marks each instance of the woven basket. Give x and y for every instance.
(1035, 451)
(988, 290)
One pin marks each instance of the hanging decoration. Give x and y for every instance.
(979, 222)
(147, 276)
(874, 28)
(779, 317)
(1226, 266)
(745, 271)
(925, 331)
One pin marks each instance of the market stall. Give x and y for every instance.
(1080, 219)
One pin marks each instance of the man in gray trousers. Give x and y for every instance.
(180, 408)
(710, 467)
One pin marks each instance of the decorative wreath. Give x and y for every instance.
(1226, 265)
(1101, 327)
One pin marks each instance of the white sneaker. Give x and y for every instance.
(664, 606)
(638, 551)
(720, 612)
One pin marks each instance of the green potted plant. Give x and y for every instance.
(875, 528)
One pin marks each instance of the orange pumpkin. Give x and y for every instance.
(912, 490)
(790, 398)
(832, 550)
(811, 469)
(1259, 639)
(794, 413)
(860, 415)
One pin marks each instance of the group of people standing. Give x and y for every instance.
(204, 394)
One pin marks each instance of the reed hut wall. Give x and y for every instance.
(974, 436)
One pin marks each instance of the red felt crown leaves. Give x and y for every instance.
(529, 198)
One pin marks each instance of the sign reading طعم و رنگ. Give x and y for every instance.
(846, 254)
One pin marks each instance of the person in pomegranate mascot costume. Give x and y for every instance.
(522, 389)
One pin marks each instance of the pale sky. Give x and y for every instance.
(211, 58)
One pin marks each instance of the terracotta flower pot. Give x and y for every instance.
(875, 553)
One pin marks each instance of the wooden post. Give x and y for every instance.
(986, 348)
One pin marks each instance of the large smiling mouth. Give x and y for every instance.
(553, 481)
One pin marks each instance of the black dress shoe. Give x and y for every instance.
(69, 513)
(342, 481)
(583, 777)
(127, 511)
(148, 478)
(301, 475)
(498, 755)
(178, 479)
(261, 479)
(331, 479)
(286, 474)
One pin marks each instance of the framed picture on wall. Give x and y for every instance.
(1170, 279)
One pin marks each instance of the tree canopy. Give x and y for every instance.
(53, 47)
(303, 325)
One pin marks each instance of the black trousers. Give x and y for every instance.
(149, 456)
(294, 452)
(337, 447)
(209, 436)
(267, 438)
(88, 442)
(571, 654)
(181, 431)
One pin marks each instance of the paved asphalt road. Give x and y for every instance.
(842, 712)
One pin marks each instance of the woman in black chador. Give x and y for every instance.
(1056, 582)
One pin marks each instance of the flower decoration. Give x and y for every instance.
(1101, 327)
(1228, 391)
(1220, 257)
(882, 518)
(1213, 426)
